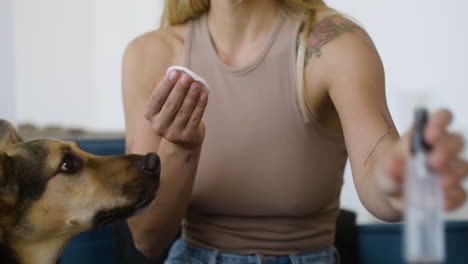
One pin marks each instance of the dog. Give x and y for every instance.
(51, 190)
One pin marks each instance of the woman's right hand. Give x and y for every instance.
(175, 110)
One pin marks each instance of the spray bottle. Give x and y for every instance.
(424, 237)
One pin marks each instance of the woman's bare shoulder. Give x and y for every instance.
(157, 49)
(333, 30)
(148, 56)
(338, 49)
(162, 38)
(335, 40)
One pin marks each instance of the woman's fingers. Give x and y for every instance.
(164, 118)
(197, 115)
(187, 107)
(456, 172)
(444, 157)
(454, 197)
(160, 94)
(437, 125)
(175, 109)
(454, 143)
(447, 148)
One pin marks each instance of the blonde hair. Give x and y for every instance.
(180, 11)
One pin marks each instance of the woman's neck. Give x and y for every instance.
(239, 29)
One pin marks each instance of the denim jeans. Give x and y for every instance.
(183, 252)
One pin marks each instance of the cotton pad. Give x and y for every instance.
(203, 83)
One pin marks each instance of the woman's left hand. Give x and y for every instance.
(444, 159)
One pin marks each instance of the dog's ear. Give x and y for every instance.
(8, 134)
(8, 189)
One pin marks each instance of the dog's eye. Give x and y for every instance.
(69, 165)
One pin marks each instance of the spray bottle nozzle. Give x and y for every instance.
(418, 143)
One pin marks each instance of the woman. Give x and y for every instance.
(295, 88)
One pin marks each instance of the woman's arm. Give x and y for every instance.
(350, 71)
(166, 120)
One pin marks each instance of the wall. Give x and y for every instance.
(117, 23)
(55, 53)
(7, 76)
(68, 59)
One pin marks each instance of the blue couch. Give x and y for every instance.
(375, 244)
(381, 243)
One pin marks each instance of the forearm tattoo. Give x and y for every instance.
(323, 33)
(391, 133)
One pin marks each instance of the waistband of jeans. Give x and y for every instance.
(204, 253)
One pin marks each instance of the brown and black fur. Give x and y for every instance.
(51, 190)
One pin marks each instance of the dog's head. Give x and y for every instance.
(51, 188)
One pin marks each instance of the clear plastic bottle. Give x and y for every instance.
(424, 234)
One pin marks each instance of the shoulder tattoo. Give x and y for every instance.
(323, 33)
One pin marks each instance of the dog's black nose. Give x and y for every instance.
(151, 163)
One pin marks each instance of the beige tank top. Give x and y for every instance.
(267, 182)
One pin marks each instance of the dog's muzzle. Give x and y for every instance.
(152, 163)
